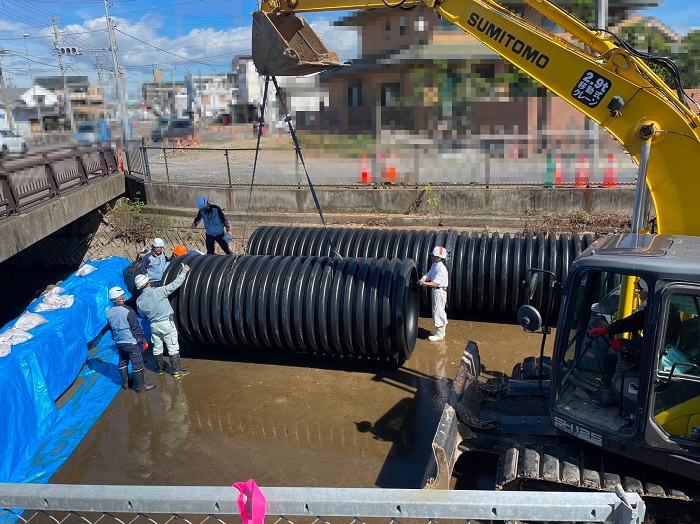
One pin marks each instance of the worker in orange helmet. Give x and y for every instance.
(181, 250)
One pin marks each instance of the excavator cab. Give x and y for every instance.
(637, 389)
(285, 45)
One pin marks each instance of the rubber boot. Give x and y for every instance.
(439, 335)
(175, 364)
(160, 364)
(140, 382)
(124, 372)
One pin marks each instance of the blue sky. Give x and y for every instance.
(175, 36)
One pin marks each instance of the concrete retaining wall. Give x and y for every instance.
(448, 200)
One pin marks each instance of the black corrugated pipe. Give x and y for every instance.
(486, 270)
(351, 308)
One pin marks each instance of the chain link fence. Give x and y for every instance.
(67, 504)
(495, 159)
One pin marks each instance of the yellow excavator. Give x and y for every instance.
(618, 402)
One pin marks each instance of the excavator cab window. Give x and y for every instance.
(676, 398)
(589, 380)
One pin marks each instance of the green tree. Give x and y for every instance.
(584, 10)
(688, 59)
(648, 39)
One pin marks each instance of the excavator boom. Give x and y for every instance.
(598, 74)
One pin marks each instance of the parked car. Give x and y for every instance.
(92, 131)
(176, 128)
(11, 144)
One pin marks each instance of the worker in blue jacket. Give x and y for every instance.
(216, 225)
(154, 262)
(129, 339)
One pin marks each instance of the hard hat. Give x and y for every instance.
(140, 281)
(440, 251)
(115, 292)
(158, 242)
(202, 202)
(179, 250)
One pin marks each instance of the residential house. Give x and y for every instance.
(213, 94)
(422, 74)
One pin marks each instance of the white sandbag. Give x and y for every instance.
(14, 336)
(27, 321)
(85, 269)
(53, 302)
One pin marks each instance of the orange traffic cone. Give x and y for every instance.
(610, 175)
(582, 172)
(391, 169)
(366, 174)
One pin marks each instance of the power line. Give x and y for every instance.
(163, 50)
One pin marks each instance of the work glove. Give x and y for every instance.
(185, 268)
(421, 283)
(145, 346)
(598, 332)
(618, 345)
(228, 237)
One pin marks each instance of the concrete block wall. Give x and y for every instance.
(448, 200)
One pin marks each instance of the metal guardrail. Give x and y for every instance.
(470, 162)
(76, 503)
(24, 182)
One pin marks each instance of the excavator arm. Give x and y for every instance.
(600, 76)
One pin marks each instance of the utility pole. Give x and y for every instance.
(31, 78)
(99, 68)
(5, 98)
(119, 75)
(67, 102)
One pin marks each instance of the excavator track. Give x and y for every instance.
(562, 467)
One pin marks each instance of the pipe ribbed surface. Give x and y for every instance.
(486, 270)
(349, 308)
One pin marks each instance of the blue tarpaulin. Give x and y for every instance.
(37, 372)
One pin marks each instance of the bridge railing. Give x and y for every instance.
(27, 181)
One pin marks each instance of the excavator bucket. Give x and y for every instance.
(285, 45)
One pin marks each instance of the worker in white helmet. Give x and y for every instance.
(154, 305)
(129, 339)
(437, 279)
(154, 262)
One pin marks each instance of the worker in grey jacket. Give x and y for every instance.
(129, 339)
(154, 305)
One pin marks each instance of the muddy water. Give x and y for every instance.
(287, 421)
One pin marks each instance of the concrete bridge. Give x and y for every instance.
(41, 194)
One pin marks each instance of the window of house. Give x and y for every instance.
(402, 25)
(390, 94)
(387, 30)
(420, 25)
(484, 70)
(355, 95)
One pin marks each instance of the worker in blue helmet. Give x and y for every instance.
(216, 226)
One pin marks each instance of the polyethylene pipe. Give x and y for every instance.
(486, 270)
(351, 308)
